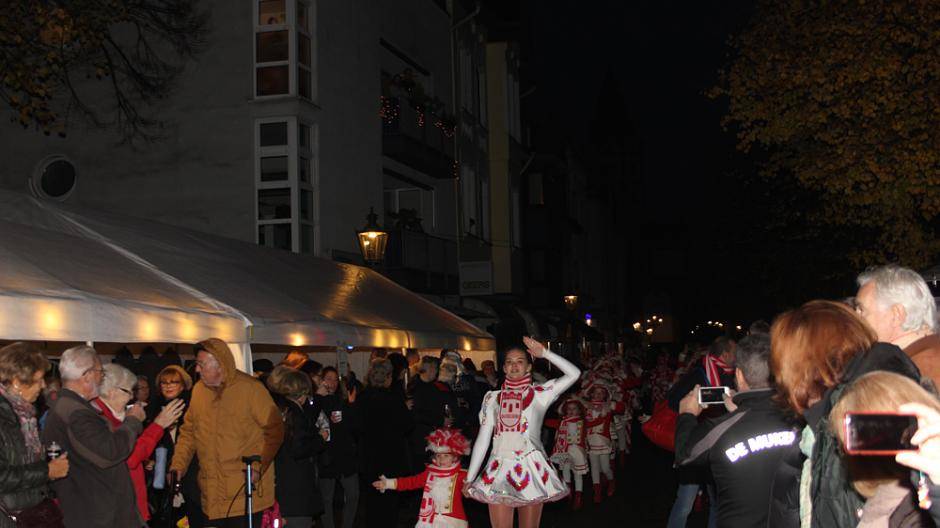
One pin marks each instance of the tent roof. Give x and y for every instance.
(78, 274)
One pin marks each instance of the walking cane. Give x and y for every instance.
(248, 460)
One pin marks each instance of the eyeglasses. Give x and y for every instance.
(170, 382)
(126, 391)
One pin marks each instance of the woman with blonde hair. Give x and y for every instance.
(816, 351)
(885, 484)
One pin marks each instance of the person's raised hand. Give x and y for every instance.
(927, 440)
(137, 411)
(729, 401)
(689, 403)
(59, 467)
(170, 413)
(533, 346)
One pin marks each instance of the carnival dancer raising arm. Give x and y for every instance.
(517, 473)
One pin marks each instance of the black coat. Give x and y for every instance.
(428, 411)
(22, 483)
(835, 502)
(340, 457)
(98, 492)
(742, 450)
(295, 465)
(386, 423)
(162, 500)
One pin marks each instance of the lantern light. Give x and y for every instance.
(372, 240)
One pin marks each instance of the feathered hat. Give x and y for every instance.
(448, 440)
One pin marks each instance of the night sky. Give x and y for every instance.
(663, 55)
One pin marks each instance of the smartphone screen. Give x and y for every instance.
(711, 395)
(879, 433)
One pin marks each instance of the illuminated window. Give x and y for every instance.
(284, 58)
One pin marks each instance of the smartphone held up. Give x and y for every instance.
(879, 434)
(712, 395)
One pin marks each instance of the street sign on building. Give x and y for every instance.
(476, 278)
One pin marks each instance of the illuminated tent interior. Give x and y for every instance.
(74, 274)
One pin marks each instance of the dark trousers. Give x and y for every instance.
(235, 522)
(380, 509)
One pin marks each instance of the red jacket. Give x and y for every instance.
(423, 480)
(146, 443)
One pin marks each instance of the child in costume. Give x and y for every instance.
(517, 473)
(600, 444)
(569, 454)
(442, 481)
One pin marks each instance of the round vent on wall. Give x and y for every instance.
(54, 178)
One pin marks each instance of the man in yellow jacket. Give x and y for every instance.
(230, 416)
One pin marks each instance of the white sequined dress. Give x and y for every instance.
(517, 472)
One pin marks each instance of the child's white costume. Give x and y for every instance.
(517, 472)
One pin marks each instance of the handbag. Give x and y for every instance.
(661, 427)
(45, 514)
(271, 518)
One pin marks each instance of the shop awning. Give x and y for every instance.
(73, 274)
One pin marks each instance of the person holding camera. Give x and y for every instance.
(743, 448)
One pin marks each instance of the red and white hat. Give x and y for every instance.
(448, 440)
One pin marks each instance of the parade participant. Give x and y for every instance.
(569, 454)
(600, 444)
(442, 481)
(517, 474)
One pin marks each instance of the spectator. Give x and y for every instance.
(176, 385)
(759, 326)
(816, 350)
(142, 395)
(50, 393)
(489, 372)
(339, 461)
(253, 426)
(98, 491)
(295, 464)
(898, 305)
(25, 485)
(399, 373)
(469, 366)
(743, 473)
(468, 394)
(414, 363)
(111, 404)
(434, 407)
(926, 460)
(715, 369)
(261, 368)
(886, 485)
(383, 447)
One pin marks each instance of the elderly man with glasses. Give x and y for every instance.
(98, 490)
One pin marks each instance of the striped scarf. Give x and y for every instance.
(714, 368)
(26, 415)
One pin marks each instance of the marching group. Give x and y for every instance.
(95, 446)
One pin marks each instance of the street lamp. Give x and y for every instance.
(571, 302)
(372, 240)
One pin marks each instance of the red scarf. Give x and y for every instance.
(714, 367)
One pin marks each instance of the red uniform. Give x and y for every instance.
(442, 502)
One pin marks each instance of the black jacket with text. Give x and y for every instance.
(742, 449)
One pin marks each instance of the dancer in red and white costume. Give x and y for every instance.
(442, 481)
(569, 454)
(600, 446)
(517, 473)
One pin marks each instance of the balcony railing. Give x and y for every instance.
(415, 139)
(421, 262)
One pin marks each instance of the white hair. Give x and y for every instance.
(898, 285)
(76, 361)
(117, 377)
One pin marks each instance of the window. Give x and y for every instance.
(54, 178)
(283, 49)
(286, 184)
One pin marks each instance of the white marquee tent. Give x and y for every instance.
(73, 274)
